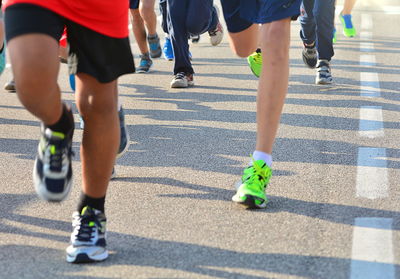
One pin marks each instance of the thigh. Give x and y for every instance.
(33, 33)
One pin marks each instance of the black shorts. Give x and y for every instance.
(103, 57)
(134, 4)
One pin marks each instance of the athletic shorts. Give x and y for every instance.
(134, 4)
(103, 57)
(241, 14)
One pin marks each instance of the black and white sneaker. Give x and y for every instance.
(324, 75)
(88, 243)
(52, 172)
(310, 56)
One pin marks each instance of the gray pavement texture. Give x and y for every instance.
(169, 210)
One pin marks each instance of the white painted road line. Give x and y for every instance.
(371, 122)
(369, 85)
(372, 175)
(366, 22)
(372, 251)
(367, 60)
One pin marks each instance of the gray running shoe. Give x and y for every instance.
(310, 56)
(10, 86)
(154, 45)
(324, 75)
(124, 136)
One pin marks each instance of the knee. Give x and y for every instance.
(147, 11)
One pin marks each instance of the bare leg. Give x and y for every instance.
(97, 103)
(35, 62)
(245, 42)
(146, 9)
(272, 87)
(348, 6)
(139, 31)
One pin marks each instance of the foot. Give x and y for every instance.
(88, 243)
(310, 56)
(182, 80)
(255, 62)
(217, 34)
(195, 38)
(124, 135)
(255, 179)
(324, 75)
(52, 172)
(145, 63)
(154, 45)
(10, 86)
(347, 24)
(167, 50)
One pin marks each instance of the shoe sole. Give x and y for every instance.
(119, 155)
(250, 202)
(84, 258)
(46, 195)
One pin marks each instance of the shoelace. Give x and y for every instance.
(258, 58)
(261, 174)
(180, 75)
(56, 154)
(84, 228)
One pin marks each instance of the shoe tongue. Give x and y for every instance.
(54, 135)
(87, 211)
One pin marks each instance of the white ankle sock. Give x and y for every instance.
(259, 155)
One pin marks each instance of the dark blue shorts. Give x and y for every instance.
(241, 14)
(133, 4)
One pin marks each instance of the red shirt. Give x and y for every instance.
(107, 17)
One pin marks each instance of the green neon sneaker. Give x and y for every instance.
(255, 62)
(348, 28)
(255, 179)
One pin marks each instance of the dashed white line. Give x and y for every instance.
(369, 85)
(366, 21)
(372, 251)
(372, 174)
(371, 122)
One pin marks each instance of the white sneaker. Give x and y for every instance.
(182, 80)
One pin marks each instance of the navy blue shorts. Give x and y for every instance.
(133, 4)
(241, 14)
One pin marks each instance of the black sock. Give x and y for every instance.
(95, 203)
(66, 122)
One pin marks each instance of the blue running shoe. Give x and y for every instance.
(167, 50)
(72, 82)
(3, 59)
(145, 63)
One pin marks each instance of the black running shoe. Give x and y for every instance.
(52, 173)
(310, 56)
(88, 242)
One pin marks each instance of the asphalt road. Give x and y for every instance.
(334, 197)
